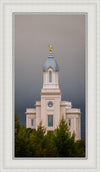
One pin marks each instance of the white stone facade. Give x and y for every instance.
(51, 109)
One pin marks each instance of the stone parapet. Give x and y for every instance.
(30, 111)
(66, 104)
(53, 91)
(73, 111)
(38, 103)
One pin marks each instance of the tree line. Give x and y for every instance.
(39, 143)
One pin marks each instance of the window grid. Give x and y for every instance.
(50, 120)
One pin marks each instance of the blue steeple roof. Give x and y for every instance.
(51, 62)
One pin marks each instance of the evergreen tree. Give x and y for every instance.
(41, 143)
(63, 140)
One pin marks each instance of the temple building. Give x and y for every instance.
(51, 109)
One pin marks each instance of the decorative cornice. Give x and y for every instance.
(30, 113)
(73, 113)
(50, 93)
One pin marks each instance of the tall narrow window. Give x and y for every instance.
(69, 133)
(69, 122)
(50, 76)
(32, 122)
(50, 120)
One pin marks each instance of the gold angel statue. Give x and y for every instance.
(50, 47)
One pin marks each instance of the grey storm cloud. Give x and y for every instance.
(33, 34)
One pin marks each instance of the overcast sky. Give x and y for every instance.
(33, 34)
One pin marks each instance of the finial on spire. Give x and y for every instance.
(50, 48)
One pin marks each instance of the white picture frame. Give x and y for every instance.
(92, 8)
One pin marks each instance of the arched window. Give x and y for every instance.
(50, 76)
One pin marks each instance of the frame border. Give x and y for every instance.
(85, 83)
(95, 2)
